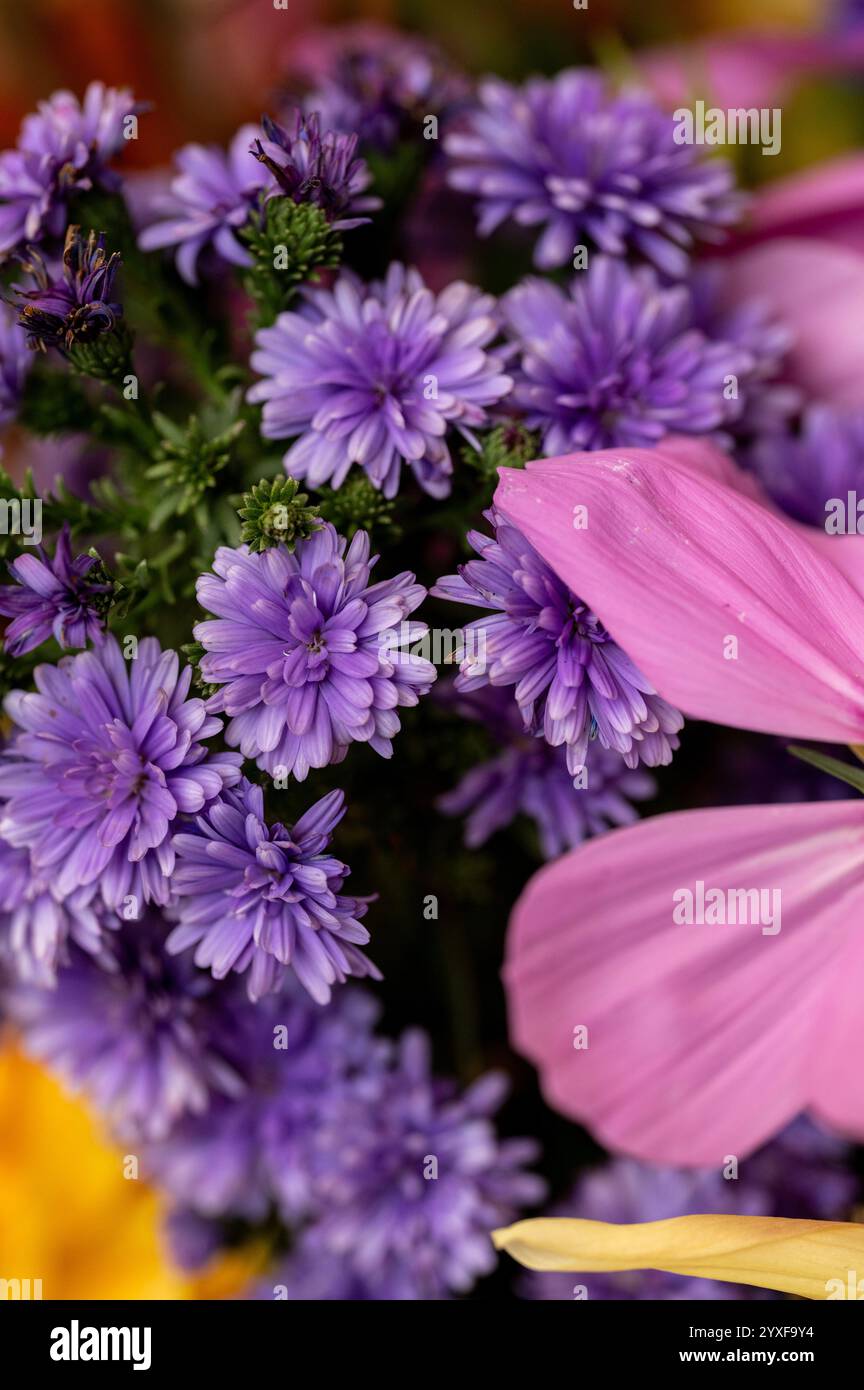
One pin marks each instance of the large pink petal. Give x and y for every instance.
(845, 552)
(816, 289)
(702, 1040)
(676, 563)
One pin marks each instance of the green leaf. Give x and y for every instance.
(833, 766)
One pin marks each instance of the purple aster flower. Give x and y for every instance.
(321, 169)
(266, 899)
(107, 755)
(15, 361)
(375, 375)
(373, 80)
(63, 598)
(85, 134)
(63, 148)
(37, 922)
(617, 361)
(31, 203)
(573, 682)
(530, 778)
(308, 652)
(414, 1177)
(803, 1173)
(75, 307)
(803, 471)
(146, 1036)
(249, 1153)
(567, 155)
(209, 201)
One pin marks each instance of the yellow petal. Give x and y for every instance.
(797, 1257)
(68, 1215)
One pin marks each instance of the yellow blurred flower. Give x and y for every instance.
(812, 1259)
(69, 1217)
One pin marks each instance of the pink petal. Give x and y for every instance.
(816, 289)
(676, 563)
(846, 552)
(703, 1040)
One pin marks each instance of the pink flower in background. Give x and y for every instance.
(747, 69)
(825, 203)
(816, 289)
(703, 1040)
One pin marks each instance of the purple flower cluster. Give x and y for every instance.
(617, 360)
(59, 597)
(106, 755)
(566, 155)
(210, 199)
(414, 1177)
(63, 148)
(528, 777)
(265, 898)
(572, 680)
(144, 1034)
(249, 1153)
(376, 375)
(308, 652)
(377, 1165)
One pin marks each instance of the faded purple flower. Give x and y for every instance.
(210, 199)
(573, 682)
(529, 778)
(805, 471)
(64, 147)
(308, 652)
(766, 401)
(374, 81)
(617, 361)
(258, 1150)
(146, 1036)
(37, 923)
(76, 306)
(414, 1177)
(323, 170)
(567, 155)
(107, 755)
(375, 375)
(61, 598)
(15, 362)
(265, 899)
